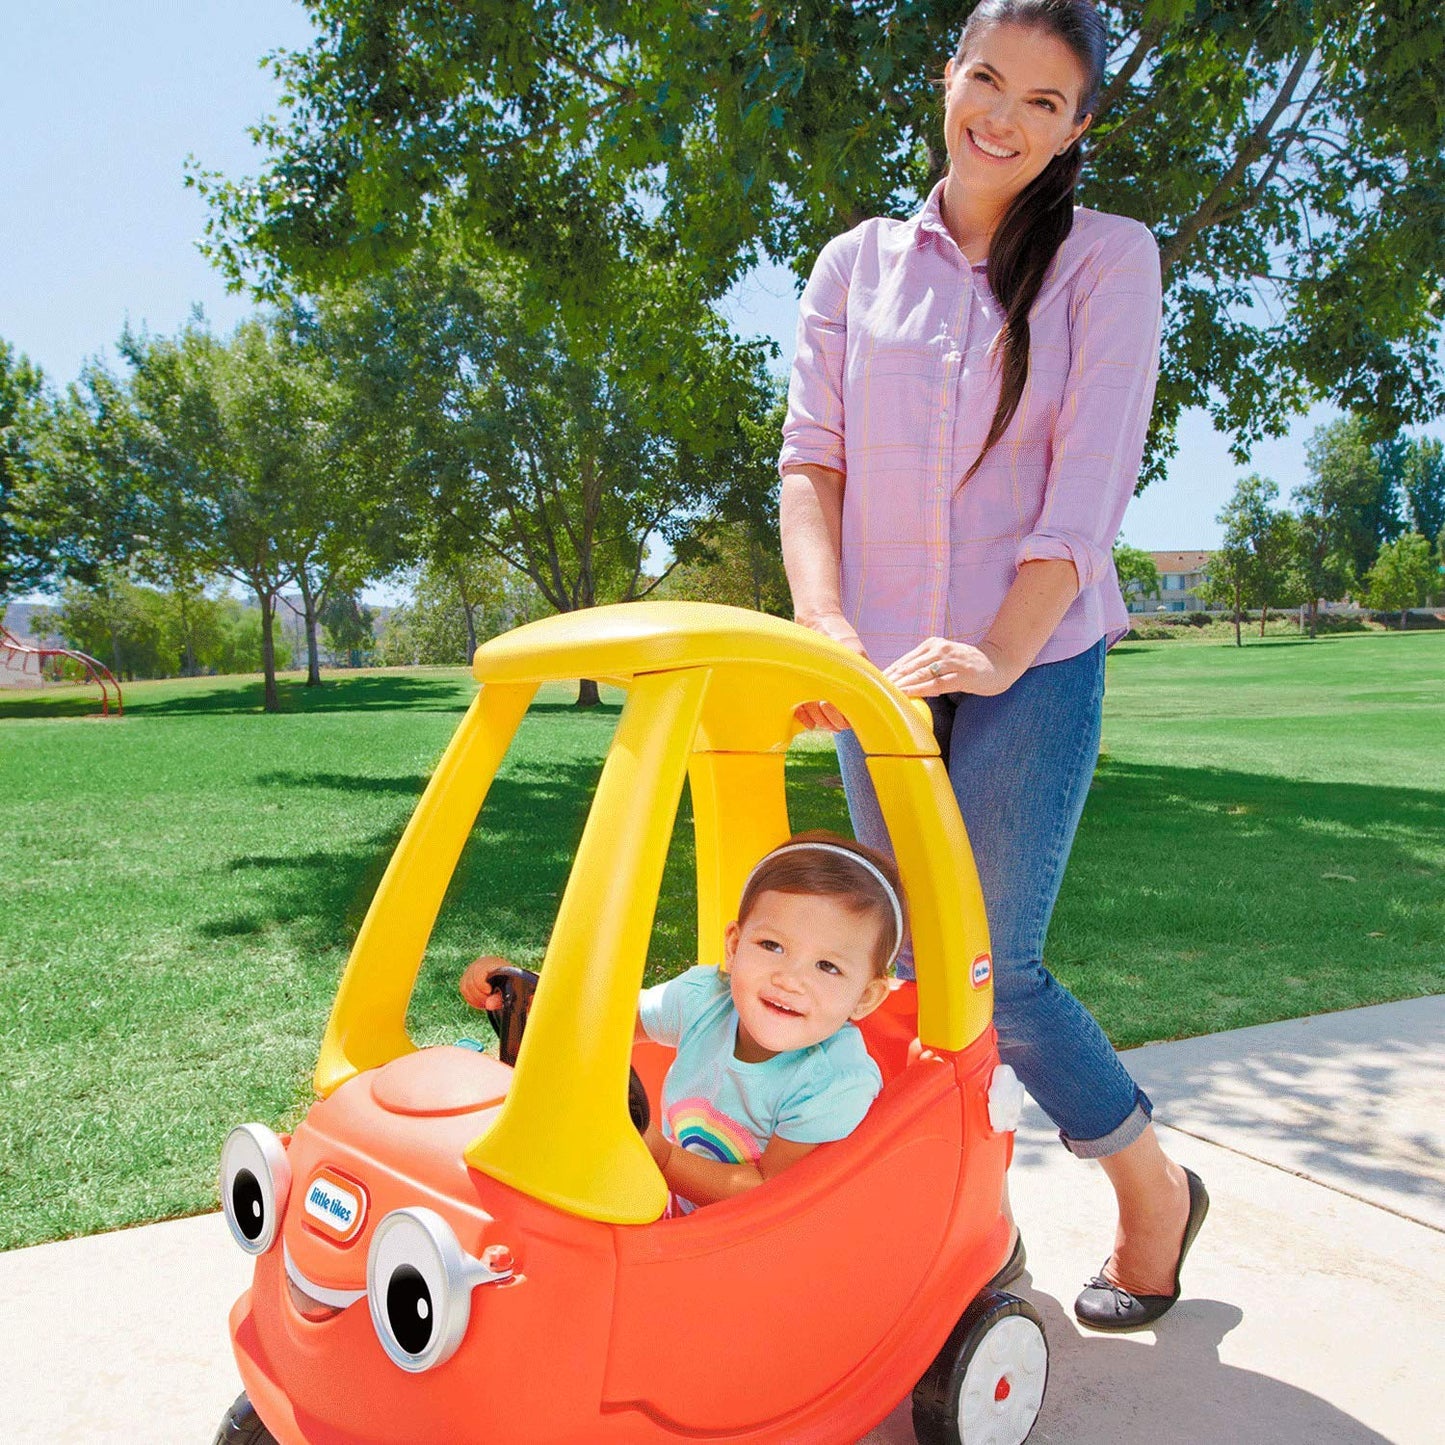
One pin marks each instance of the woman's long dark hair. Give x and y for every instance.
(1042, 214)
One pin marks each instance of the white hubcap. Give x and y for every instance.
(1003, 1386)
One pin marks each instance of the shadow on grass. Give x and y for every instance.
(48, 704)
(387, 691)
(513, 867)
(1199, 899)
(344, 782)
(229, 695)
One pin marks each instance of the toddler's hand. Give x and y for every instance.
(475, 987)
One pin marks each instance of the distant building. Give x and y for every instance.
(1181, 575)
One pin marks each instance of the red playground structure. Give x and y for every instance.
(52, 664)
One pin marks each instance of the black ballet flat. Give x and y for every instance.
(1104, 1306)
(1013, 1266)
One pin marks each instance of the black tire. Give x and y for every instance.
(991, 1372)
(242, 1426)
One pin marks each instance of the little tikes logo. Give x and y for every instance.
(335, 1206)
(982, 970)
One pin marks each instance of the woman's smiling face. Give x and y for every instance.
(1013, 97)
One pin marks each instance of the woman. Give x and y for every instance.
(966, 418)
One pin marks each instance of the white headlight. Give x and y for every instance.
(419, 1283)
(255, 1181)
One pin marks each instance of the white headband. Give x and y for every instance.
(862, 862)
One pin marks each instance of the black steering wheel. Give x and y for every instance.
(517, 986)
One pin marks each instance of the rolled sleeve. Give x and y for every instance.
(813, 431)
(1099, 436)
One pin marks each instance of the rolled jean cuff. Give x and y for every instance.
(1116, 1139)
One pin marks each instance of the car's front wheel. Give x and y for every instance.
(242, 1426)
(987, 1385)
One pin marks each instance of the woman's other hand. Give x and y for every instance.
(938, 665)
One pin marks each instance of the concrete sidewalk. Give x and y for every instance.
(1313, 1309)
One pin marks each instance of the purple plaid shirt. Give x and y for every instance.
(894, 385)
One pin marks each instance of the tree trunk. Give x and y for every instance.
(1314, 616)
(1404, 617)
(587, 695)
(270, 699)
(470, 613)
(308, 609)
(188, 643)
(1238, 641)
(1263, 614)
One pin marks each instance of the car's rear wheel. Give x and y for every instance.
(987, 1385)
(242, 1426)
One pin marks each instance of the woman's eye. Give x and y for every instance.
(1047, 105)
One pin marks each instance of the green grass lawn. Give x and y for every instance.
(1266, 838)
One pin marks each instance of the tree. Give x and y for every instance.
(1422, 479)
(455, 605)
(350, 628)
(25, 561)
(1324, 573)
(1352, 489)
(1403, 573)
(1138, 576)
(140, 631)
(563, 450)
(1251, 567)
(736, 568)
(1288, 156)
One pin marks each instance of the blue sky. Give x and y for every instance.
(101, 103)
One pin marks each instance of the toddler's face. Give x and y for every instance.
(800, 968)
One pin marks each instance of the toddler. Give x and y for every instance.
(769, 1064)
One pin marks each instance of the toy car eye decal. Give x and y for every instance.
(255, 1182)
(419, 1283)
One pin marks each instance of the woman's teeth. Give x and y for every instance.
(992, 150)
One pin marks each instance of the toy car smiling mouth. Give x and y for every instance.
(449, 1249)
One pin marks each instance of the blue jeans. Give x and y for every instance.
(1020, 765)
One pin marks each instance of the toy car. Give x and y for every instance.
(451, 1250)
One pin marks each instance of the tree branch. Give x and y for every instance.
(1149, 37)
(1208, 213)
(1261, 187)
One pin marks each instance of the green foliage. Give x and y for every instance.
(562, 448)
(1422, 479)
(25, 560)
(1352, 490)
(141, 632)
(737, 568)
(1288, 156)
(1404, 572)
(211, 458)
(350, 628)
(455, 606)
(1136, 569)
(1255, 564)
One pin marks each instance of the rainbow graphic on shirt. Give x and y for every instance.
(701, 1127)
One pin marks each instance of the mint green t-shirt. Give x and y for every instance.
(722, 1108)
